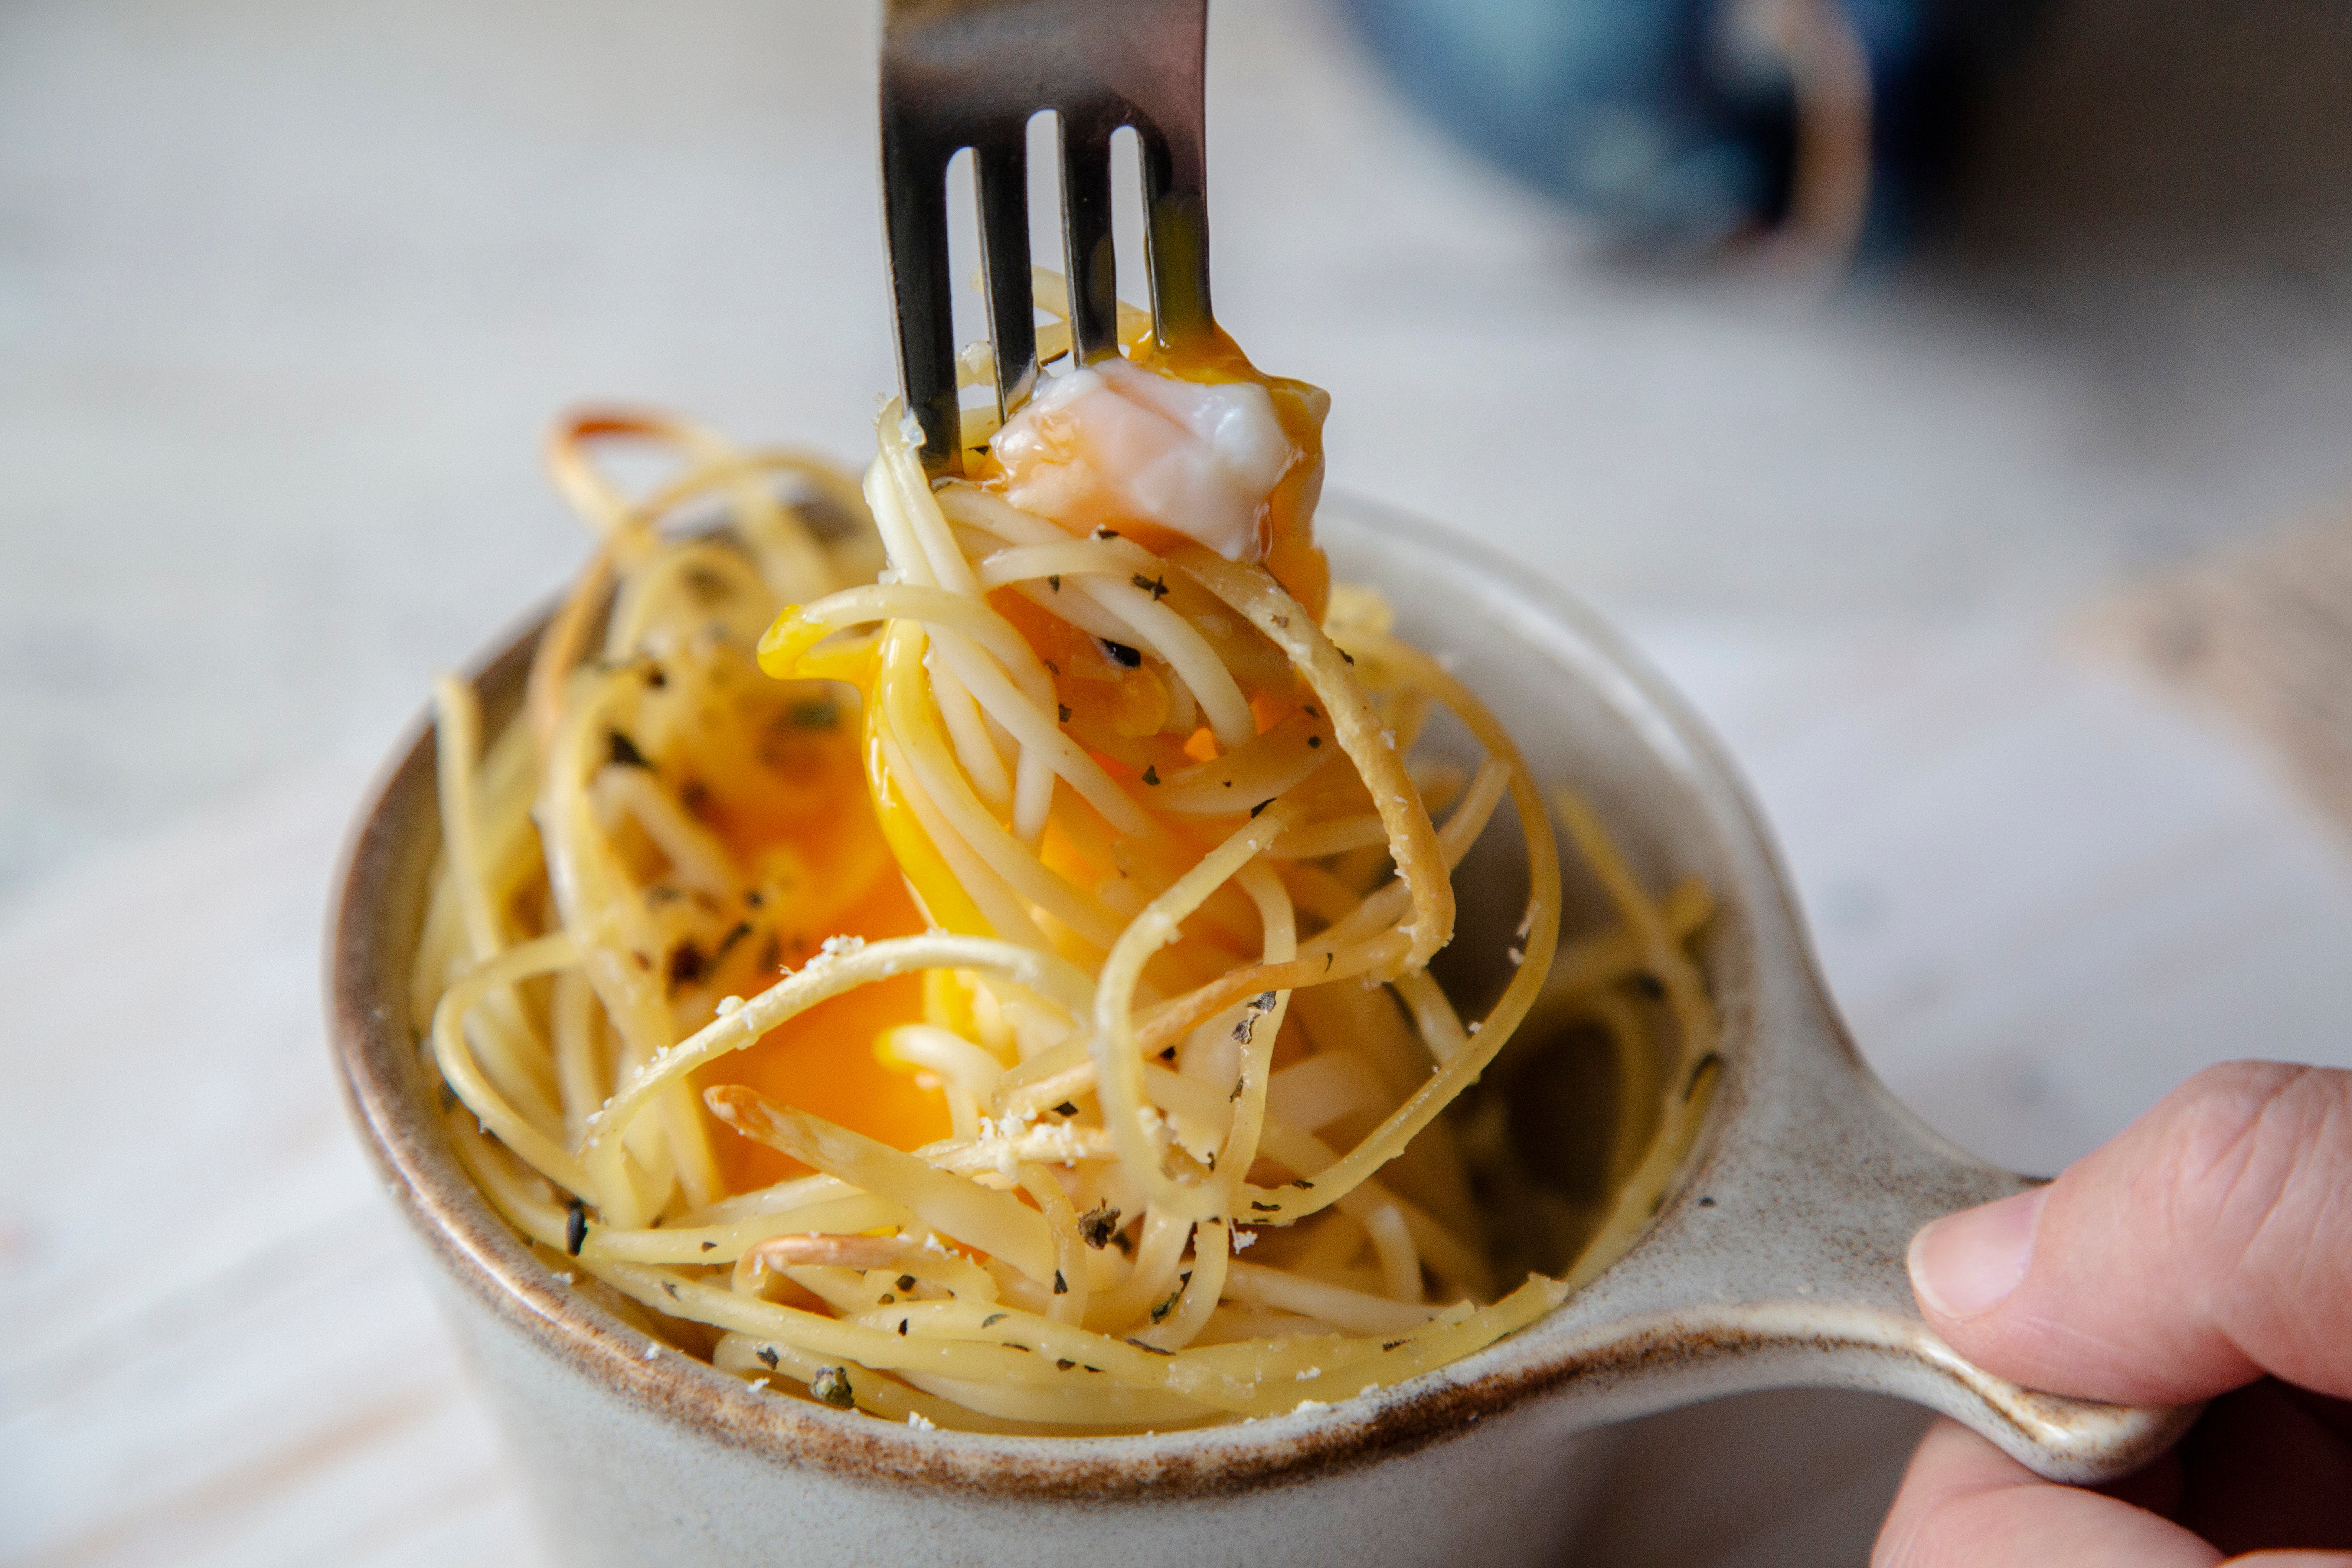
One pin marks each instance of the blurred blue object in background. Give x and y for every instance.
(1681, 125)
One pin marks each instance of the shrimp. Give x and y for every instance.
(1114, 443)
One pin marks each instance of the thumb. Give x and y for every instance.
(2208, 1244)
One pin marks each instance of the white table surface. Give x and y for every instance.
(286, 292)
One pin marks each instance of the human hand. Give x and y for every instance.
(2205, 1253)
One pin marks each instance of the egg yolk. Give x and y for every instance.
(822, 1061)
(799, 802)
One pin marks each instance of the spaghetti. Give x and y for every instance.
(964, 960)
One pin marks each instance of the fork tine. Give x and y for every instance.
(1004, 170)
(1085, 221)
(914, 186)
(1175, 177)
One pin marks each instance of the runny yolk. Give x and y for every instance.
(822, 1061)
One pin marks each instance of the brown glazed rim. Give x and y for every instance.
(378, 907)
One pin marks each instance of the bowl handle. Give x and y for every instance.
(1779, 1262)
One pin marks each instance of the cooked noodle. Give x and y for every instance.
(846, 986)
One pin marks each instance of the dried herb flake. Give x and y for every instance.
(831, 1384)
(1099, 1225)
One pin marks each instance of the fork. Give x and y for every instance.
(972, 73)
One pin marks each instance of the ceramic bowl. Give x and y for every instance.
(1774, 1260)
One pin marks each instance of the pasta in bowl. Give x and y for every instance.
(1029, 953)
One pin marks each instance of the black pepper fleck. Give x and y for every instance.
(624, 752)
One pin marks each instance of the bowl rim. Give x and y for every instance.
(382, 1082)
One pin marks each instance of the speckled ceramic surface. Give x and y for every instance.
(1775, 1261)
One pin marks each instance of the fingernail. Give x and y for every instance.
(1969, 1263)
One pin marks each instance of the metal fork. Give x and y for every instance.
(972, 73)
